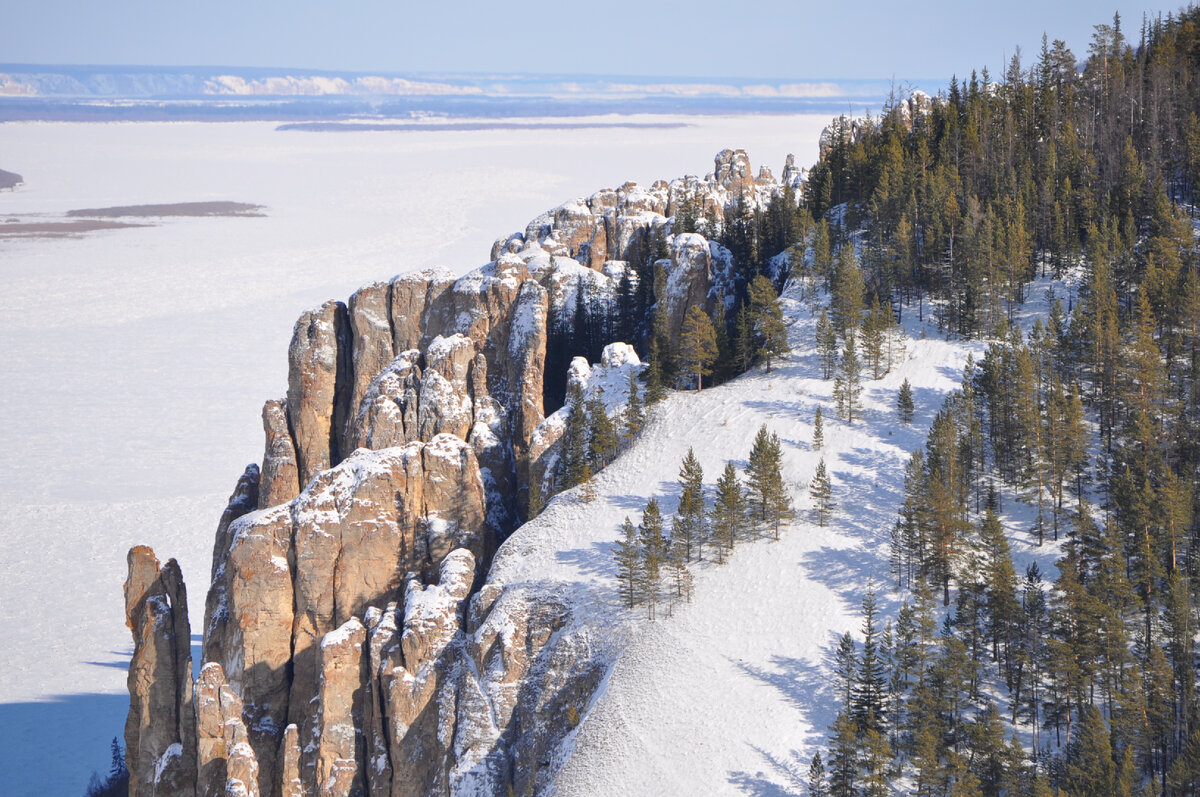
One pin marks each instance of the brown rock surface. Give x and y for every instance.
(280, 476)
(160, 741)
(318, 385)
(338, 755)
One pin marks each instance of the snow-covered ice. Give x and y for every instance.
(135, 361)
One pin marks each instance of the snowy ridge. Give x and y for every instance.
(731, 690)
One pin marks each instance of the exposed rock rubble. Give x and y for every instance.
(352, 643)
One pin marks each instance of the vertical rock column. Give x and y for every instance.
(319, 377)
(160, 737)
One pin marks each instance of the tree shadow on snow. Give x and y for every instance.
(760, 785)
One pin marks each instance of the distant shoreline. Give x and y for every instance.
(440, 127)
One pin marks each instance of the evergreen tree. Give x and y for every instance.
(628, 557)
(764, 478)
(868, 692)
(536, 501)
(843, 757)
(575, 441)
(743, 341)
(847, 300)
(635, 414)
(689, 520)
(816, 777)
(818, 431)
(1090, 766)
(680, 575)
(821, 490)
(656, 388)
(653, 556)
(602, 436)
(873, 339)
(766, 317)
(724, 366)
(847, 388)
(827, 345)
(904, 403)
(729, 511)
(697, 345)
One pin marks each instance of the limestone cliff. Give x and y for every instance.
(354, 642)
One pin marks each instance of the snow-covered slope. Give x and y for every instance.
(731, 692)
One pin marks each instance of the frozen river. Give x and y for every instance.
(134, 362)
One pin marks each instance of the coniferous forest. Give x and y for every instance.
(993, 681)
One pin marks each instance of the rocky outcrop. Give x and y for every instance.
(318, 379)
(351, 644)
(280, 481)
(160, 737)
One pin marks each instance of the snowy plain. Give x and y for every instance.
(135, 361)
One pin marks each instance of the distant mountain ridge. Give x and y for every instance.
(34, 91)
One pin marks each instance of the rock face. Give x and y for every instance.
(160, 737)
(318, 379)
(352, 644)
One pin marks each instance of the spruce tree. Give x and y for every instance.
(821, 490)
(743, 341)
(867, 708)
(818, 431)
(873, 333)
(847, 388)
(628, 556)
(724, 366)
(697, 345)
(904, 403)
(680, 574)
(817, 786)
(536, 501)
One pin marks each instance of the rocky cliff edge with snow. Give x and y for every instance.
(354, 640)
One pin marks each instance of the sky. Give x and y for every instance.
(780, 39)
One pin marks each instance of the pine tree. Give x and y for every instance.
(764, 478)
(843, 757)
(635, 414)
(827, 345)
(689, 520)
(847, 299)
(818, 431)
(653, 555)
(697, 345)
(628, 557)
(681, 576)
(904, 403)
(767, 321)
(602, 436)
(729, 511)
(1090, 766)
(847, 388)
(873, 339)
(821, 490)
(743, 341)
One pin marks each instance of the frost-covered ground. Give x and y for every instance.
(732, 694)
(135, 361)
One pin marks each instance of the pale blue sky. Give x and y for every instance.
(782, 39)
